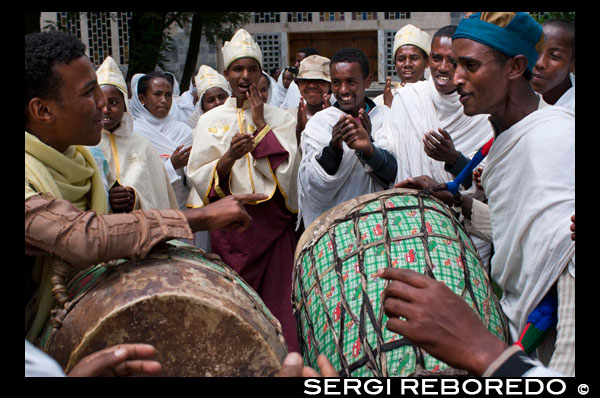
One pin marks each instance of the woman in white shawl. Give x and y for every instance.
(133, 164)
(171, 138)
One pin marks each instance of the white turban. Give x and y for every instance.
(208, 78)
(109, 73)
(242, 45)
(410, 34)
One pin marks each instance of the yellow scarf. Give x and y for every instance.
(73, 176)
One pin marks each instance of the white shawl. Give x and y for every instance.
(317, 190)
(166, 135)
(292, 98)
(279, 92)
(134, 162)
(568, 98)
(530, 183)
(418, 108)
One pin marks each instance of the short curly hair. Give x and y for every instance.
(352, 55)
(43, 52)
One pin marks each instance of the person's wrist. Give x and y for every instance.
(484, 354)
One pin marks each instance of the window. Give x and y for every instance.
(390, 65)
(123, 22)
(396, 15)
(299, 16)
(266, 17)
(99, 34)
(331, 16)
(364, 16)
(69, 22)
(269, 45)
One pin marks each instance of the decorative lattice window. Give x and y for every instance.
(396, 15)
(331, 16)
(390, 65)
(364, 16)
(270, 47)
(299, 16)
(69, 22)
(267, 17)
(99, 34)
(123, 23)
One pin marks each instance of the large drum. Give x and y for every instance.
(337, 296)
(201, 317)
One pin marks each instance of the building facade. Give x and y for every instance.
(280, 35)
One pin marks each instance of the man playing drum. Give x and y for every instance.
(529, 177)
(65, 200)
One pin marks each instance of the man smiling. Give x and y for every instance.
(429, 112)
(340, 159)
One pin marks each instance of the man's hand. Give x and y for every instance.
(477, 178)
(426, 182)
(227, 213)
(573, 227)
(326, 101)
(336, 134)
(438, 320)
(293, 366)
(356, 135)
(257, 105)
(240, 145)
(387, 93)
(440, 147)
(301, 120)
(180, 157)
(119, 360)
(121, 199)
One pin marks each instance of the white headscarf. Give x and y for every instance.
(166, 134)
(279, 91)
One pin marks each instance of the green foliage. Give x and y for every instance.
(545, 16)
(222, 25)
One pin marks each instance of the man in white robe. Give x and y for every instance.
(529, 178)
(340, 157)
(426, 106)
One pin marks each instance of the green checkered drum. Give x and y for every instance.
(337, 296)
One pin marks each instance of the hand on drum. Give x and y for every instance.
(438, 320)
(119, 360)
(227, 213)
(426, 182)
(293, 366)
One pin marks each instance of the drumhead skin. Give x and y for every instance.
(201, 317)
(337, 296)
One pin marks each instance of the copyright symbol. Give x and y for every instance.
(583, 389)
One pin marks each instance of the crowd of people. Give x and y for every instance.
(242, 162)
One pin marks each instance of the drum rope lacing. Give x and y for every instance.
(374, 357)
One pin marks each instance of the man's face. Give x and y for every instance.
(479, 78)
(78, 114)
(158, 97)
(410, 64)
(287, 78)
(348, 85)
(263, 88)
(213, 97)
(555, 62)
(114, 109)
(299, 58)
(441, 64)
(241, 74)
(312, 90)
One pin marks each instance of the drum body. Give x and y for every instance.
(201, 317)
(337, 296)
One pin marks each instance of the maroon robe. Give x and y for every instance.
(263, 255)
